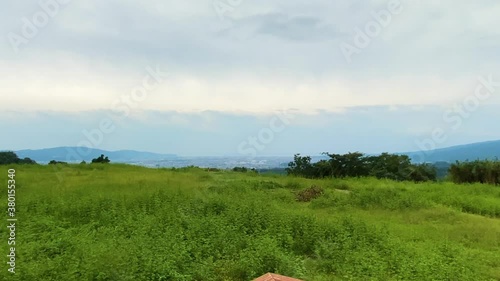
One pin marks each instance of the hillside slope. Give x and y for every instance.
(483, 150)
(75, 154)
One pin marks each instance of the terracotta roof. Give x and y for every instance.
(275, 277)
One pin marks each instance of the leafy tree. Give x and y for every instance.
(356, 164)
(301, 166)
(423, 172)
(348, 165)
(9, 157)
(101, 159)
(390, 166)
(322, 169)
(240, 169)
(54, 162)
(27, 160)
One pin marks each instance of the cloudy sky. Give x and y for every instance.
(233, 77)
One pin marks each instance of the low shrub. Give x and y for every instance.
(310, 193)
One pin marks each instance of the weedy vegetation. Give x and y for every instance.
(119, 222)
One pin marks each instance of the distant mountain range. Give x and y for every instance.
(482, 150)
(76, 154)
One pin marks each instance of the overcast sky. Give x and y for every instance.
(211, 77)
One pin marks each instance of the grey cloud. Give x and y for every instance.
(292, 34)
(296, 28)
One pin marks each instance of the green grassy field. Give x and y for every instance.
(118, 222)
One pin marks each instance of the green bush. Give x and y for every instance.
(101, 159)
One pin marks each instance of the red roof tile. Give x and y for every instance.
(275, 277)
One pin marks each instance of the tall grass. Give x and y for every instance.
(118, 222)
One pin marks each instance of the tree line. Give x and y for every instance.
(356, 164)
(10, 157)
(482, 171)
